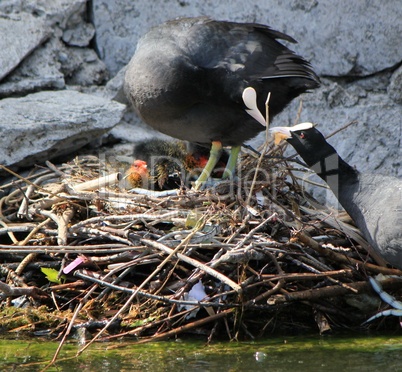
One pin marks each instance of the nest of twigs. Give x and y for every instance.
(240, 260)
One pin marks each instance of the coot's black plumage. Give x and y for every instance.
(187, 77)
(373, 201)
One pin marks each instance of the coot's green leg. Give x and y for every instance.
(214, 155)
(230, 168)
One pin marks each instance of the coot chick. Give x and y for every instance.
(373, 201)
(168, 164)
(137, 175)
(187, 78)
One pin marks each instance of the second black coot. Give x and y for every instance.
(374, 201)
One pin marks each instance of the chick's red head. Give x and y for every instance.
(137, 175)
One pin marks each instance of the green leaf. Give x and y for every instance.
(51, 275)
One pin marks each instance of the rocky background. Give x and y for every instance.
(61, 73)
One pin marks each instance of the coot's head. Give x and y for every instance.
(309, 143)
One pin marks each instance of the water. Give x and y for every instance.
(329, 353)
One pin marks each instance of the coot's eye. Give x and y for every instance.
(302, 135)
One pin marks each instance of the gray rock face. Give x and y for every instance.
(372, 144)
(20, 35)
(61, 60)
(78, 32)
(40, 70)
(44, 125)
(45, 45)
(395, 87)
(339, 37)
(355, 45)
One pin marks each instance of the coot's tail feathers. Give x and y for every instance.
(272, 33)
(268, 31)
(291, 65)
(253, 51)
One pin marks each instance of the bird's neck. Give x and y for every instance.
(336, 173)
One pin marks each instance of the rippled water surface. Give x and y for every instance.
(329, 353)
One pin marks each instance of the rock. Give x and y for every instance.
(82, 66)
(49, 124)
(132, 129)
(47, 45)
(77, 31)
(55, 12)
(114, 88)
(395, 86)
(80, 35)
(373, 144)
(339, 38)
(20, 35)
(40, 70)
(354, 38)
(44, 67)
(52, 66)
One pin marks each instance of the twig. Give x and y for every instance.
(34, 292)
(342, 128)
(181, 329)
(99, 183)
(257, 168)
(329, 291)
(195, 263)
(346, 260)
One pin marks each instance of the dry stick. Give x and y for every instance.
(33, 232)
(62, 228)
(349, 231)
(340, 129)
(346, 260)
(195, 263)
(240, 229)
(94, 249)
(61, 224)
(53, 168)
(128, 217)
(70, 326)
(103, 234)
(13, 182)
(184, 328)
(79, 307)
(307, 276)
(253, 231)
(143, 328)
(23, 264)
(110, 179)
(263, 150)
(96, 184)
(147, 295)
(20, 227)
(34, 292)
(276, 287)
(134, 294)
(23, 209)
(330, 291)
(10, 233)
(299, 111)
(314, 270)
(29, 182)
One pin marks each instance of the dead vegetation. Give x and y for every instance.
(239, 260)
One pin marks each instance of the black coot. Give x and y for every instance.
(373, 201)
(187, 78)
